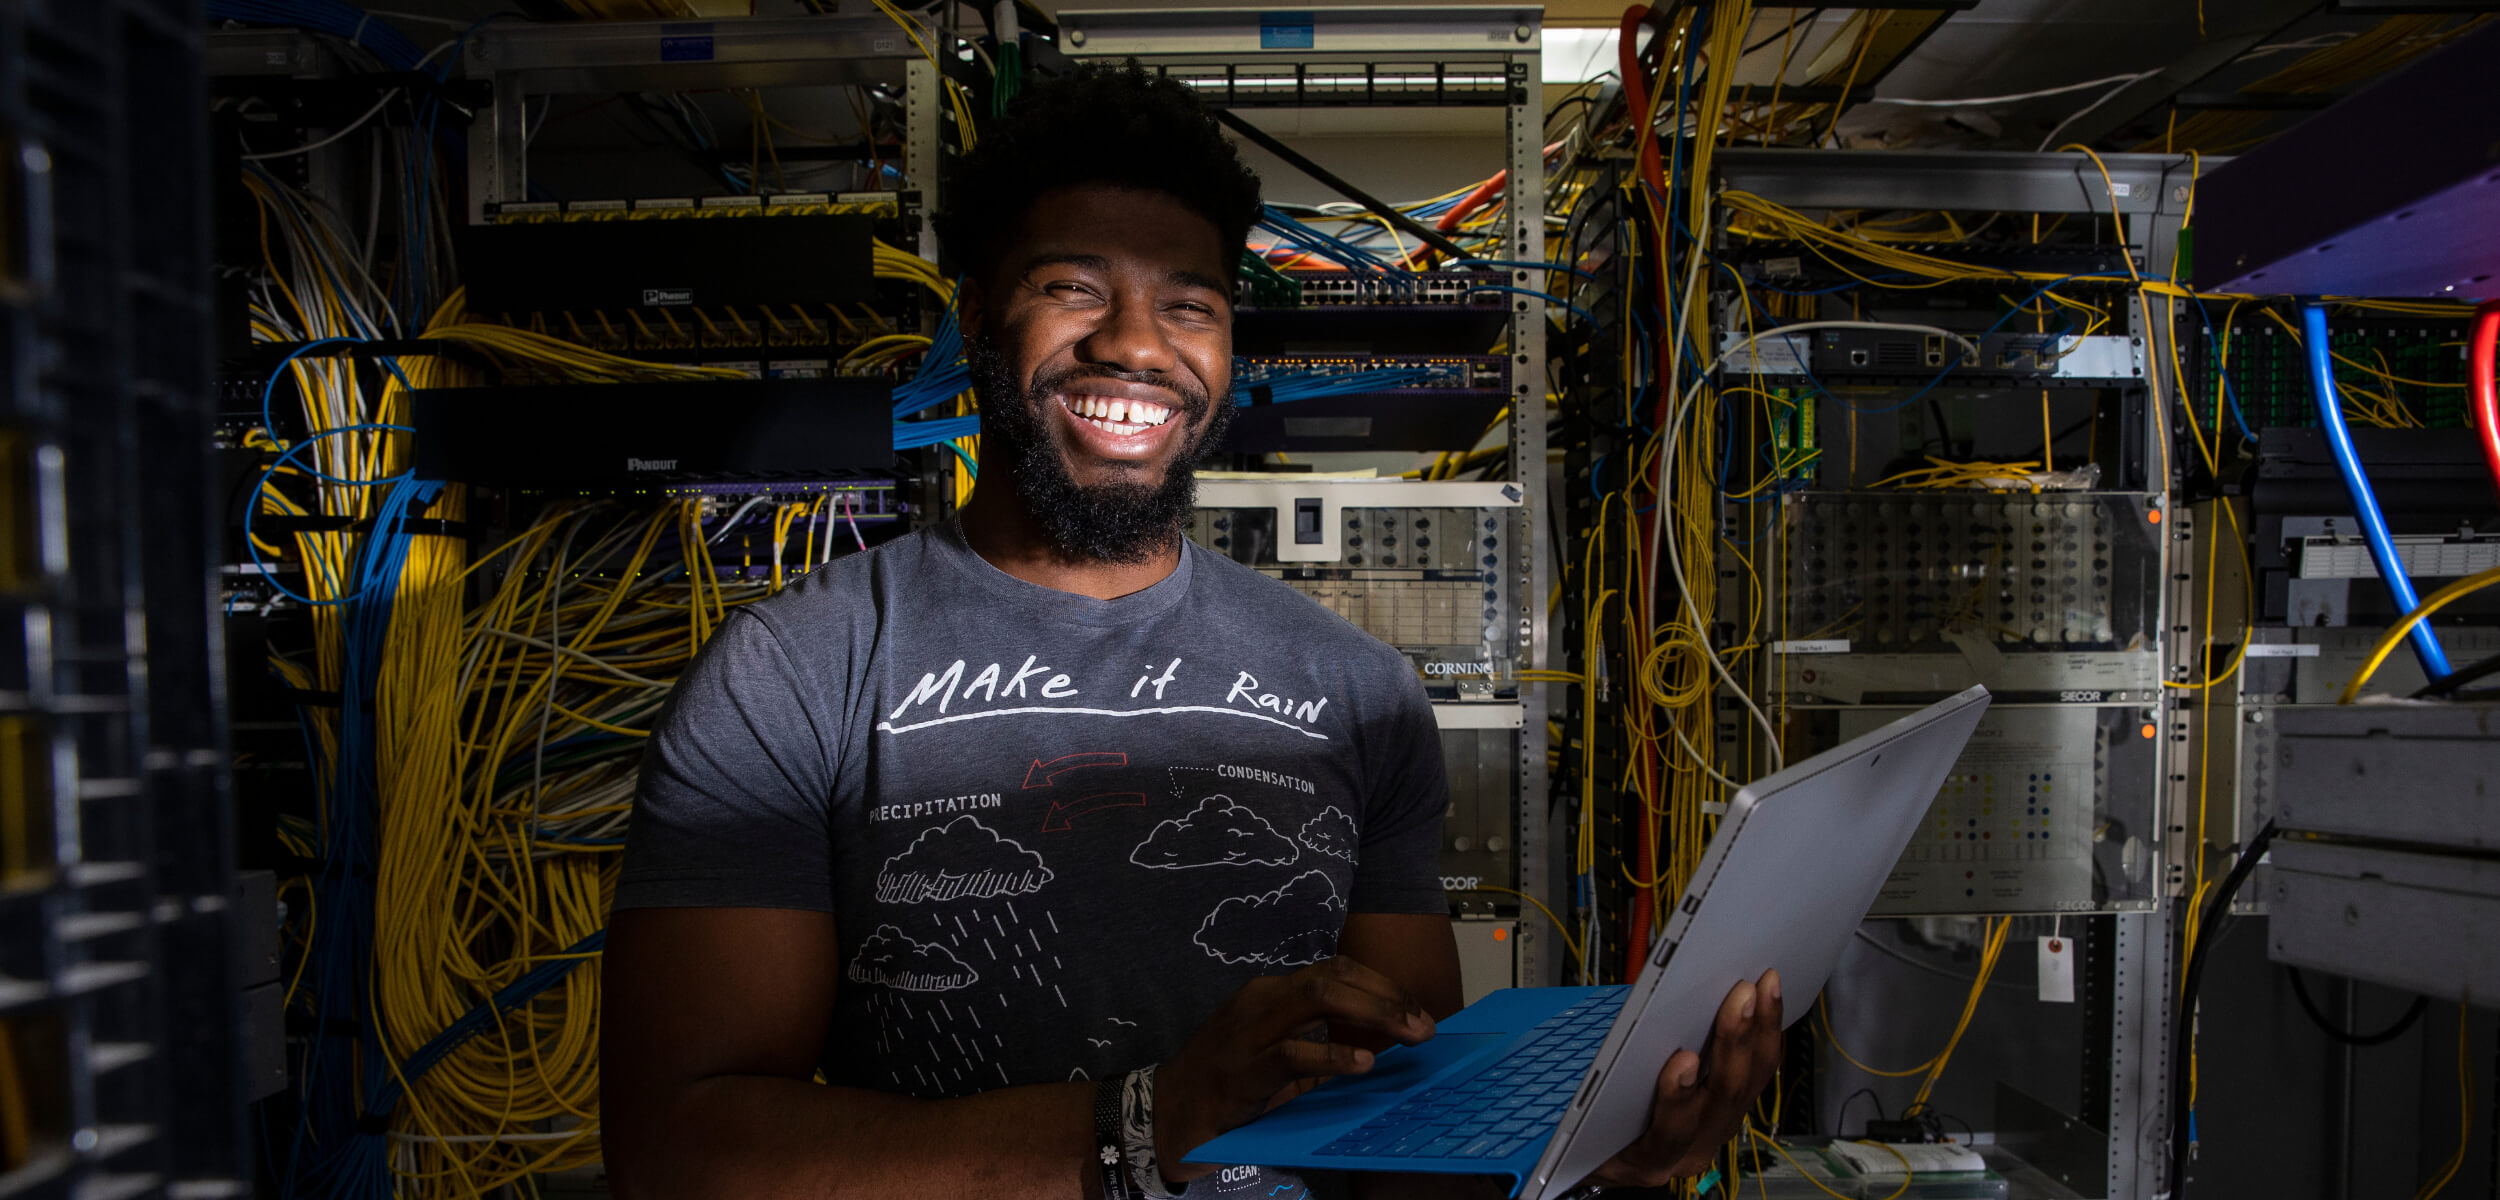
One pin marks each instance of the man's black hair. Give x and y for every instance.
(1116, 125)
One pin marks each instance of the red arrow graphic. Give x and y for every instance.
(1063, 812)
(1046, 774)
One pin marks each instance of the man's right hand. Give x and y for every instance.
(1255, 1052)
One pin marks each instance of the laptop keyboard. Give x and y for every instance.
(1494, 1112)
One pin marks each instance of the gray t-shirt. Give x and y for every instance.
(1055, 832)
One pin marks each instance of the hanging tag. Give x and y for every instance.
(2057, 970)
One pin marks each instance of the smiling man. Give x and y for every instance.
(1003, 827)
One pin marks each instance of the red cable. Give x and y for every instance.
(2478, 381)
(1636, 93)
(1473, 201)
(1636, 90)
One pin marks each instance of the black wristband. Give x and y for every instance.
(1107, 1156)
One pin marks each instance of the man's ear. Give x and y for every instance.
(971, 305)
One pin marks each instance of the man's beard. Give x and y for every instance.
(1121, 522)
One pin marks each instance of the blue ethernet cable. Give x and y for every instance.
(2391, 565)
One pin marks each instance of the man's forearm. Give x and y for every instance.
(760, 1137)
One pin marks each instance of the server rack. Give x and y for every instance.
(1382, 59)
(120, 1037)
(2129, 935)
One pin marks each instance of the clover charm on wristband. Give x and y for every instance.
(1108, 1154)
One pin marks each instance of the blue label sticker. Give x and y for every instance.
(686, 42)
(1285, 31)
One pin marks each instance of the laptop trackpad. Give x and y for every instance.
(1397, 1070)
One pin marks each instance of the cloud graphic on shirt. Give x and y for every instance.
(1331, 833)
(1219, 832)
(1294, 926)
(960, 858)
(889, 958)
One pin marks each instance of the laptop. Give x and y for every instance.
(1544, 1085)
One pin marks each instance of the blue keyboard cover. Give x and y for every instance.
(1496, 1112)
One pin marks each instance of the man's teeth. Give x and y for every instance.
(1119, 416)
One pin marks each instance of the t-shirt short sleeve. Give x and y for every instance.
(737, 787)
(1398, 870)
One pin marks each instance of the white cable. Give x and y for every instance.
(420, 18)
(351, 127)
(1666, 456)
(358, 123)
(2320, 42)
(734, 518)
(1977, 101)
(1695, 753)
(530, 134)
(2078, 114)
(1675, 364)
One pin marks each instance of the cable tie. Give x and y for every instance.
(358, 38)
(373, 1123)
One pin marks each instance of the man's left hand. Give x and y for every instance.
(1696, 1112)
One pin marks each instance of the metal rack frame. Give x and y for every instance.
(1511, 35)
(122, 927)
(2152, 192)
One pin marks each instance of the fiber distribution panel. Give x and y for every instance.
(1428, 579)
(2262, 373)
(2023, 824)
(1912, 596)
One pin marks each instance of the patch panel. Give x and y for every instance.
(669, 208)
(1427, 581)
(1398, 288)
(2268, 373)
(1450, 371)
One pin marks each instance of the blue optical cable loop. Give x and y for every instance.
(2391, 566)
